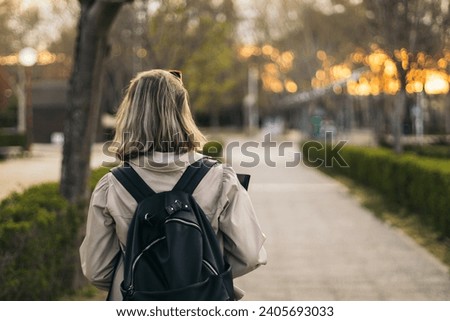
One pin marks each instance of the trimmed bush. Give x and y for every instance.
(37, 234)
(213, 149)
(12, 140)
(39, 243)
(435, 151)
(420, 184)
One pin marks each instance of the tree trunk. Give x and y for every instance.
(83, 110)
(83, 106)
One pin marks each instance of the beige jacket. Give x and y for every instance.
(225, 202)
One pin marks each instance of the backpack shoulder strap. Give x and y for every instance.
(132, 182)
(193, 174)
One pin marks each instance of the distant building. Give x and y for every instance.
(49, 107)
(49, 100)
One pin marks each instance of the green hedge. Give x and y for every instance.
(12, 140)
(37, 234)
(420, 184)
(213, 149)
(38, 243)
(435, 151)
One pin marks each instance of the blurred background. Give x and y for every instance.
(372, 73)
(313, 66)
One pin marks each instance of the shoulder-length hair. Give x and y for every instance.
(155, 116)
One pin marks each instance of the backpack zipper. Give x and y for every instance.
(137, 259)
(185, 222)
(210, 267)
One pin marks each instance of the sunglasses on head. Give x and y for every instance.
(177, 74)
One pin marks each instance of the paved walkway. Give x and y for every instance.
(44, 165)
(322, 244)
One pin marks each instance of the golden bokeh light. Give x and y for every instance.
(248, 51)
(267, 50)
(46, 58)
(436, 83)
(43, 58)
(141, 53)
(321, 55)
(338, 89)
(423, 72)
(274, 64)
(291, 86)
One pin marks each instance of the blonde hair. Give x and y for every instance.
(155, 115)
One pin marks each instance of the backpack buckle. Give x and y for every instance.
(175, 207)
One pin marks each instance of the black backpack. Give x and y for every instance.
(172, 251)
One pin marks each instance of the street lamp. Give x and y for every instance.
(27, 58)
